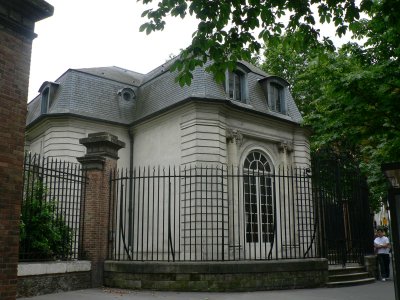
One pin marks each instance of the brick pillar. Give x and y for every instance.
(100, 159)
(17, 21)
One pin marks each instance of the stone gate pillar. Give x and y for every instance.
(100, 159)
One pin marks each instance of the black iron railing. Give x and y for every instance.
(346, 218)
(212, 214)
(52, 209)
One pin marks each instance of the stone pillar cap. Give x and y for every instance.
(100, 144)
(101, 137)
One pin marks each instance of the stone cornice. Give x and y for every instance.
(20, 15)
(99, 145)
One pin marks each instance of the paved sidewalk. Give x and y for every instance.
(374, 291)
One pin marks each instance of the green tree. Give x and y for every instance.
(357, 110)
(351, 101)
(349, 97)
(44, 234)
(291, 63)
(235, 30)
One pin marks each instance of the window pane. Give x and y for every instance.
(259, 203)
(276, 93)
(45, 101)
(235, 85)
(231, 85)
(238, 90)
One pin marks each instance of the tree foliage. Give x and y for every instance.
(44, 234)
(350, 99)
(229, 31)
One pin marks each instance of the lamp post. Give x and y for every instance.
(392, 173)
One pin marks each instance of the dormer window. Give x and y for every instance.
(127, 94)
(236, 85)
(47, 91)
(276, 95)
(274, 89)
(45, 101)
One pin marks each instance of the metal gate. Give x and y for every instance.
(346, 219)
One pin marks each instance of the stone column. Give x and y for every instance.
(100, 159)
(17, 22)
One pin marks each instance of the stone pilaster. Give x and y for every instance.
(285, 148)
(100, 159)
(234, 140)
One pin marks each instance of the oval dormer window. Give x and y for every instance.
(127, 94)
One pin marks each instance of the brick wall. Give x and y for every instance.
(17, 19)
(95, 242)
(100, 159)
(14, 76)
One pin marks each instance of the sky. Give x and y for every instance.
(101, 33)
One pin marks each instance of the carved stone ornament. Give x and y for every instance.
(285, 146)
(234, 136)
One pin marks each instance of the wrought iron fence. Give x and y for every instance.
(52, 209)
(212, 214)
(342, 191)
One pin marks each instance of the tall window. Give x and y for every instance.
(276, 94)
(45, 101)
(258, 199)
(275, 91)
(236, 85)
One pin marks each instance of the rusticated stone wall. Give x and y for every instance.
(217, 276)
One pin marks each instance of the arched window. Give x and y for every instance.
(258, 199)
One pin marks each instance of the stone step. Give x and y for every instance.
(348, 276)
(350, 282)
(347, 270)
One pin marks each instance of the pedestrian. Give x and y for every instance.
(382, 249)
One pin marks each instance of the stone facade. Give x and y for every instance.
(210, 134)
(17, 19)
(165, 124)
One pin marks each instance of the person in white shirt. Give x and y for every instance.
(382, 248)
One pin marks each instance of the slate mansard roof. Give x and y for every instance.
(96, 93)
